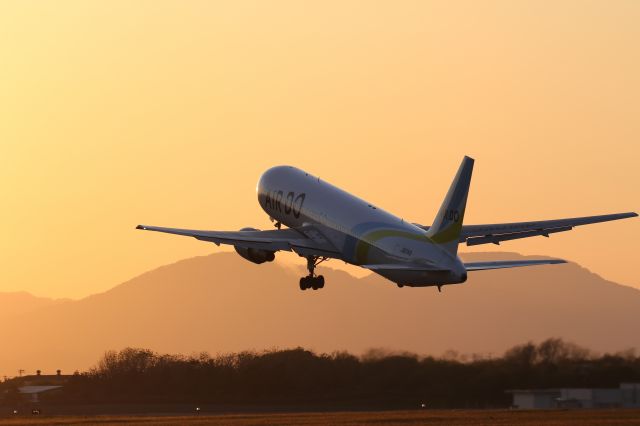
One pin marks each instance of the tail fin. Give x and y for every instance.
(447, 226)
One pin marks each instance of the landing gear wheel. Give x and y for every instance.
(316, 282)
(311, 280)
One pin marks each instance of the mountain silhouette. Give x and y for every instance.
(21, 302)
(221, 303)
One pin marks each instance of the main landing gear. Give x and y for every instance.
(311, 280)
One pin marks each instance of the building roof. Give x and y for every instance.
(540, 391)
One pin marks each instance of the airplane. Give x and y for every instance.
(324, 222)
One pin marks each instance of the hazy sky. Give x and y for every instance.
(166, 113)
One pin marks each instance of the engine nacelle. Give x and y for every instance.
(255, 255)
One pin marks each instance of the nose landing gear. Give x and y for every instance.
(312, 281)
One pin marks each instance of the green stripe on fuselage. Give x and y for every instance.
(367, 240)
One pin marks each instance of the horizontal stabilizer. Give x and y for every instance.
(482, 266)
(399, 267)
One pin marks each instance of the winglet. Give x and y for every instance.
(447, 225)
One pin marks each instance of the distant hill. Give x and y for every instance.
(221, 303)
(21, 302)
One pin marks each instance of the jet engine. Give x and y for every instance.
(255, 255)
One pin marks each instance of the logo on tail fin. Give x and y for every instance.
(447, 225)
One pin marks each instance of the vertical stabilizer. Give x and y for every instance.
(447, 226)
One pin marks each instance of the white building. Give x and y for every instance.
(34, 391)
(627, 396)
(630, 394)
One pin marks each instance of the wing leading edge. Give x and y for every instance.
(499, 232)
(306, 240)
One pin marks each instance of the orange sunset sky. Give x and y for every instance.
(115, 113)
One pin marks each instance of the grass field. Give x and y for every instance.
(425, 417)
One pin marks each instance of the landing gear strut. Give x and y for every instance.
(276, 223)
(311, 280)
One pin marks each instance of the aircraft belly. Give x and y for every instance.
(422, 278)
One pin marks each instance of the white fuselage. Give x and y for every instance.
(363, 233)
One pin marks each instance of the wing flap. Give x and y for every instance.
(483, 266)
(497, 239)
(498, 232)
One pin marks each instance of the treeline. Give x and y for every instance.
(300, 377)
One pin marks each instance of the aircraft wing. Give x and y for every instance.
(482, 266)
(306, 240)
(498, 232)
